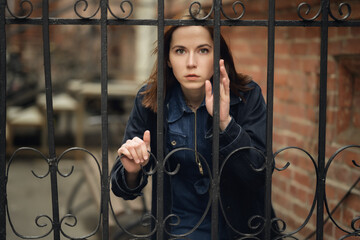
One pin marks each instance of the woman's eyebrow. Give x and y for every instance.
(177, 46)
(205, 45)
(200, 46)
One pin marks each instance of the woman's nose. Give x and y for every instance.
(191, 61)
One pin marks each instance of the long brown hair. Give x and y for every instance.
(238, 81)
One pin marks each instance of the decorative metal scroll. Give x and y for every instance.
(306, 8)
(356, 221)
(169, 219)
(193, 12)
(68, 217)
(307, 11)
(238, 15)
(255, 223)
(287, 165)
(71, 220)
(84, 4)
(340, 10)
(196, 7)
(147, 217)
(171, 173)
(38, 218)
(81, 7)
(121, 6)
(26, 6)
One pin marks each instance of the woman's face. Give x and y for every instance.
(191, 56)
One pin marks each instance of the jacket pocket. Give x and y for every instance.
(176, 140)
(174, 143)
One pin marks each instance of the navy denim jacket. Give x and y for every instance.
(242, 189)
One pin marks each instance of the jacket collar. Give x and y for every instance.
(176, 106)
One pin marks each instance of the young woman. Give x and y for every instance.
(188, 111)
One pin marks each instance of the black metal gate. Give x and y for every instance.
(327, 20)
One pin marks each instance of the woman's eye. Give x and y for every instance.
(204, 50)
(180, 51)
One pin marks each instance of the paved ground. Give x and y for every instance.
(29, 198)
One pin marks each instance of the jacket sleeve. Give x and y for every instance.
(245, 133)
(136, 126)
(119, 186)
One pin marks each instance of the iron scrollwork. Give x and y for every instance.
(171, 173)
(356, 231)
(147, 217)
(238, 15)
(26, 10)
(78, 4)
(71, 216)
(143, 222)
(255, 223)
(307, 10)
(283, 228)
(127, 2)
(194, 11)
(40, 218)
(168, 219)
(340, 7)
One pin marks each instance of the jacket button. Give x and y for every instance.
(173, 142)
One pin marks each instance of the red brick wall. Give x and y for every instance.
(296, 107)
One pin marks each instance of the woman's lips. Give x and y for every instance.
(192, 76)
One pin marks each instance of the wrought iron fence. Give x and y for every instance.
(323, 19)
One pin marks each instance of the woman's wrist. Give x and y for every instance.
(224, 124)
(132, 179)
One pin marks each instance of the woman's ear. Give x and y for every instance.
(169, 64)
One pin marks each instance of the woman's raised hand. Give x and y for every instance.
(135, 153)
(225, 117)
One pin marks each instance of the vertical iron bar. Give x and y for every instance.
(160, 124)
(322, 121)
(216, 121)
(50, 122)
(104, 121)
(2, 122)
(269, 116)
